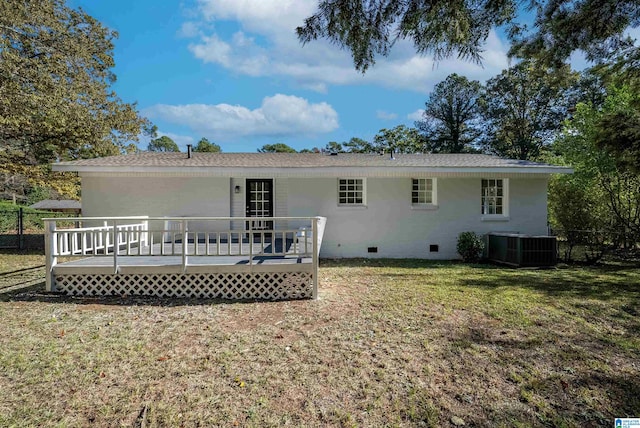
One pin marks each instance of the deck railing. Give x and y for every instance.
(82, 241)
(185, 237)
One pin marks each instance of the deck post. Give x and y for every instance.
(116, 245)
(50, 250)
(250, 245)
(145, 233)
(185, 243)
(106, 238)
(314, 231)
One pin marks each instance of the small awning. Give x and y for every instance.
(57, 205)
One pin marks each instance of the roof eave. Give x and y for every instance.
(306, 171)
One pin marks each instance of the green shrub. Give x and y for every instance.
(470, 247)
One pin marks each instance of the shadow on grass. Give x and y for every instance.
(401, 263)
(566, 372)
(593, 283)
(25, 252)
(624, 391)
(603, 282)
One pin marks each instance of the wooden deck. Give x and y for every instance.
(124, 259)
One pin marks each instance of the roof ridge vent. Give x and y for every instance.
(333, 154)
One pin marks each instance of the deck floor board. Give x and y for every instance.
(156, 259)
(101, 261)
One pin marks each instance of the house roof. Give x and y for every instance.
(149, 161)
(50, 204)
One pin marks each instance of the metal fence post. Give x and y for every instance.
(20, 229)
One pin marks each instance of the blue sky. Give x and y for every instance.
(234, 72)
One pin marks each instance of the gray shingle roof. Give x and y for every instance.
(300, 160)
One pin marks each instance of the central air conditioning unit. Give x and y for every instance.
(522, 250)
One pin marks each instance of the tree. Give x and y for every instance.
(369, 28)
(205, 146)
(399, 140)
(55, 78)
(523, 109)
(276, 148)
(163, 144)
(451, 114)
(577, 211)
(358, 145)
(614, 191)
(563, 26)
(618, 133)
(333, 147)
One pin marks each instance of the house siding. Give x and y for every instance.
(155, 196)
(238, 202)
(388, 221)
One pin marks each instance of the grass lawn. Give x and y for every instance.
(20, 269)
(390, 343)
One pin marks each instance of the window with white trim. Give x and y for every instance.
(351, 191)
(494, 196)
(423, 191)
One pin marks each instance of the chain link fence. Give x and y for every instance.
(24, 230)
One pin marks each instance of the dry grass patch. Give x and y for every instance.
(390, 343)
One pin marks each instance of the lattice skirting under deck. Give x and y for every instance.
(235, 286)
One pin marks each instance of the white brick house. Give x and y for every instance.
(376, 206)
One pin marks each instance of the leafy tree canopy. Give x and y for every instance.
(617, 129)
(333, 147)
(205, 146)
(358, 145)
(523, 109)
(451, 115)
(615, 186)
(55, 78)
(442, 28)
(400, 139)
(276, 148)
(163, 144)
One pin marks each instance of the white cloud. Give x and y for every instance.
(242, 55)
(381, 114)
(279, 115)
(416, 115)
(267, 45)
(189, 29)
(260, 16)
